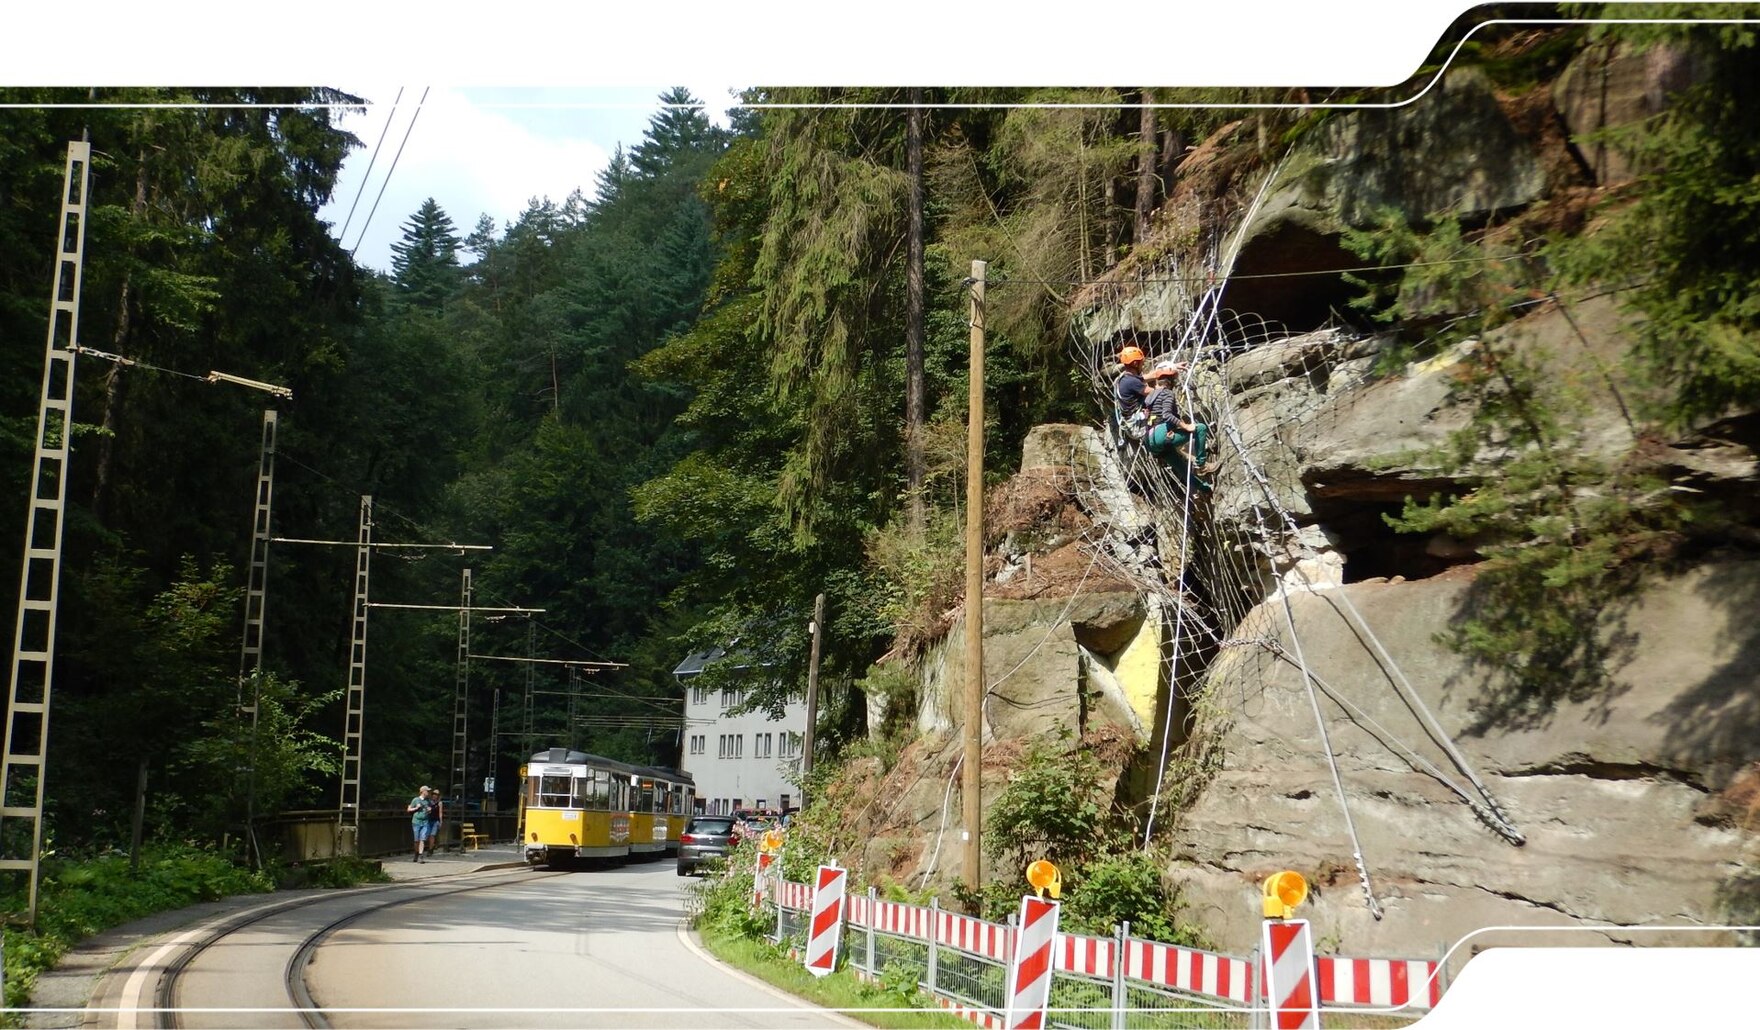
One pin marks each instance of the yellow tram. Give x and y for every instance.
(575, 805)
(663, 800)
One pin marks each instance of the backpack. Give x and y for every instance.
(1135, 426)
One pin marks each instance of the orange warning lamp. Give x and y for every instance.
(772, 841)
(1283, 892)
(1045, 877)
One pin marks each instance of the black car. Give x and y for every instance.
(705, 837)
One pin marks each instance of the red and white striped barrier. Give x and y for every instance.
(903, 920)
(1381, 982)
(826, 930)
(974, 935)
(1187, 969)
(1029, 975)
(1089, 956)
(1289, 975)
(983, 1017)
(797, 896)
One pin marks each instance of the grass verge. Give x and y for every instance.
(840, 990)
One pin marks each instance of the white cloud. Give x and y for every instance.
(471, 158)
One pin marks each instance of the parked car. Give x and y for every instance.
(705, 837)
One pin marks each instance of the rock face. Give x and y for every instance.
(1637, 804)
(1608, 86)
(1070, 642)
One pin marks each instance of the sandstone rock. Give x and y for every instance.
(1607, 86)
(1610, 790)
(1036, 660)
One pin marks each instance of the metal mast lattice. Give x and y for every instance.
(461, 691)
(349, 813)
(39, 577)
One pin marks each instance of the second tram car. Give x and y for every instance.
(647, 812)
(576, 805)
(657, 821)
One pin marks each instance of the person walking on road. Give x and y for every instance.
(424, 820)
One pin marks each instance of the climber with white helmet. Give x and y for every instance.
(1169, 433)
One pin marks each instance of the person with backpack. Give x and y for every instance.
(1129, 392)
(424, 818)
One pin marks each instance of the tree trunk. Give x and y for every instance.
(1173, 150)
(913, 322)
(119, 345)
(1146, 156)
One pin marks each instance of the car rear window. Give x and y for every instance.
(711, 826)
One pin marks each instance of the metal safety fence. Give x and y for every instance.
(1098, 983)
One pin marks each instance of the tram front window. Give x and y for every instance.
(554, 792)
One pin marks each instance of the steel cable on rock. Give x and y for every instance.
(1427, 720)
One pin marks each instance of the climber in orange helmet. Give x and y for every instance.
(1130, 390)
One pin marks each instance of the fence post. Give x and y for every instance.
(1255, 980)
(934, 921)
(873, 909)
(1120, 997)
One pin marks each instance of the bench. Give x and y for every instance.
(468, 835)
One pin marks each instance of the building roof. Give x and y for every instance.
(697, 661)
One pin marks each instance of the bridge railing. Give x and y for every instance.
(317, 835)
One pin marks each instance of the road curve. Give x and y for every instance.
(595, 948)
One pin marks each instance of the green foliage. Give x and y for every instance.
(424, 263)
(901, 980)
(1445, 284)
(1685, 246)
(345, 871)
(724, 897)
(1127, 886)
(894, 683)
(921, 577)
(1560, 531)
(283, 755)
(78, 898)
(1052, 808)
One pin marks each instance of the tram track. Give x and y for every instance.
(173, 960)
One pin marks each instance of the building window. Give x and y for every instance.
(699, 695)
(739, 745)
(761, 745)
(697, 743)
(791, 745)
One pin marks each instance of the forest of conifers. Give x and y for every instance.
(673, 405)
(676, 405)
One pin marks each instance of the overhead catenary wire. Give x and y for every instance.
(371, 161)
(389, 172)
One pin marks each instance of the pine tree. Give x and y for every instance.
(424, 264)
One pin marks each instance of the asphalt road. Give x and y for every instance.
(594, 948)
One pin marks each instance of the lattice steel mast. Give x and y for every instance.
(39, 578)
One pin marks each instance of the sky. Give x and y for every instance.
(529, 98)
(480, 151)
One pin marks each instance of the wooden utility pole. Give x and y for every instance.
(972, 778)
(818, 630)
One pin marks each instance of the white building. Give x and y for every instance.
(738, 761)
